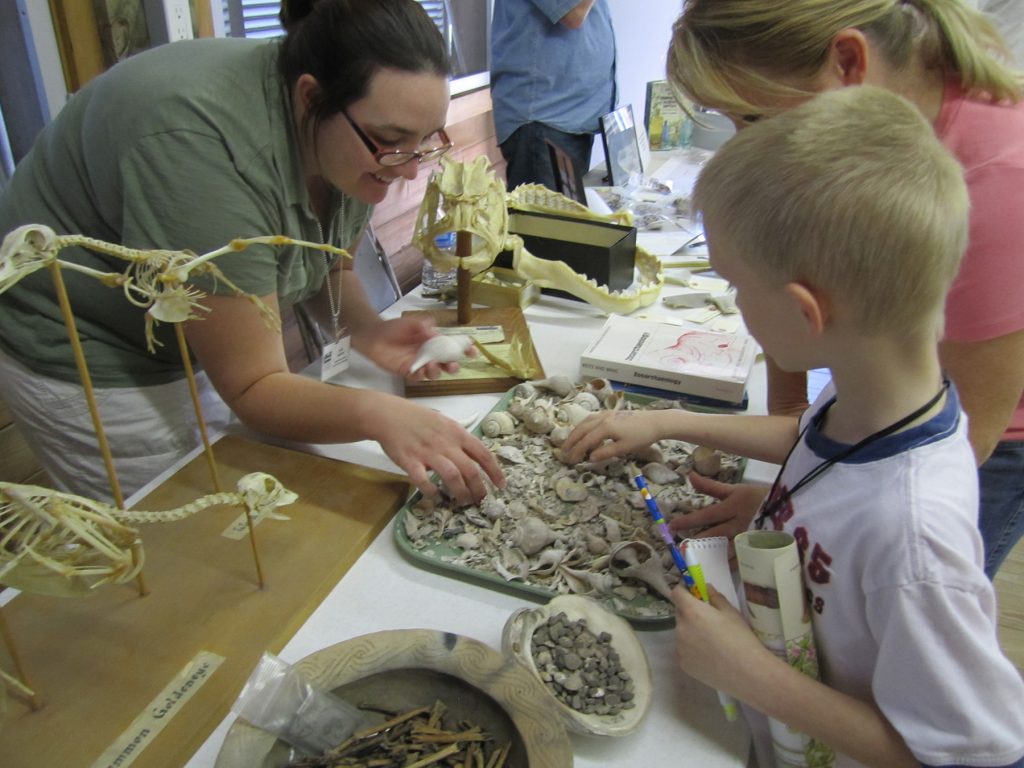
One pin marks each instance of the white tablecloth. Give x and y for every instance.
(384, 590)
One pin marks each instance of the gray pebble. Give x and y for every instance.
(581, 669)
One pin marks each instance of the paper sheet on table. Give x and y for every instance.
(596, 203)
(664, 244)
(773, 591)
(478, 367)
(682, 170)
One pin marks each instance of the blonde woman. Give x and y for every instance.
(752, 59)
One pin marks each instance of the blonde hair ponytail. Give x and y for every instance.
(724, 53)
(969, 44)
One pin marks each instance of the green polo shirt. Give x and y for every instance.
(185, 146)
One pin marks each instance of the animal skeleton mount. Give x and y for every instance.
(60, 544)
(65, 545)
(156, 280)
(468, 197)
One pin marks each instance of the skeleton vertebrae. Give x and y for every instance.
(61, 544)
(156, 280)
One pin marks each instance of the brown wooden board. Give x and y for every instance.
(97, 662)
(514, 324)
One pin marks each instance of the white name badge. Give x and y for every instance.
(336, 357)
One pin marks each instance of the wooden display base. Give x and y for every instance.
(512, 322)
(98, 662)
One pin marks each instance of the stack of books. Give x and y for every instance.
(651, 354)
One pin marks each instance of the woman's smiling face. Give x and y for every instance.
(400, 111)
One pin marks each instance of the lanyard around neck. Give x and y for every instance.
(773, 503)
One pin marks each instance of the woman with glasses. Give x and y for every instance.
(195, 143)
(752, 59)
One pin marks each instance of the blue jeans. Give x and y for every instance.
(529, 160)
(1001, 519)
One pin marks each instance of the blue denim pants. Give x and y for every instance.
(528, 160)
(1001, 519)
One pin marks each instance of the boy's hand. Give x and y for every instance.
(731, 514)
(611, 433)
(715, 645)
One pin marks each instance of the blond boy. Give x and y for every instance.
(841, 224)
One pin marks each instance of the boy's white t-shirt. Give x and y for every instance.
(902, 611)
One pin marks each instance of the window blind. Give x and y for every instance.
(259, 18)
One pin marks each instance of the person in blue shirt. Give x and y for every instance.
(552, 77)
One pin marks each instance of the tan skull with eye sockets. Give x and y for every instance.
(468, 197)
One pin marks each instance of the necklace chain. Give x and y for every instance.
(772, 503)
(334, 301)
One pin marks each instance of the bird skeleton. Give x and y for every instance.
(155, 280)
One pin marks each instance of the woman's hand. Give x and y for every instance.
(715, 645)
(394, 345)
(421, 440)
(612, 433)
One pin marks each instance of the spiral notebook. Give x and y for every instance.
(712, 554)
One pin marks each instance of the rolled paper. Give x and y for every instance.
(769, 566)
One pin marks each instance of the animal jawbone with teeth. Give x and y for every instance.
(468, 197)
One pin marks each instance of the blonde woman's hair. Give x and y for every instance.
(727, 54)
(850, 193)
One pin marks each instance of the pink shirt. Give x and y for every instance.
(987, 297)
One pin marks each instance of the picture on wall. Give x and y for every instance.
(621, 148)
(122, 28)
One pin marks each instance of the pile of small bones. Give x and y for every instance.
(569, 528)
(582, 669)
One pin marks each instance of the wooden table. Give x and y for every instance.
(98, 662)
(117, 651)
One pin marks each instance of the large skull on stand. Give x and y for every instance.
(468, 197)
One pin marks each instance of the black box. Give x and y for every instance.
(600, 250)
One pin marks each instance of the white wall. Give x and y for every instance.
(643, 29)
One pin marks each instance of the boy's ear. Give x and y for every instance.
(812, 305)
(848, 57)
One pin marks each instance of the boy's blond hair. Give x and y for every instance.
(851, 193)
(729, 54)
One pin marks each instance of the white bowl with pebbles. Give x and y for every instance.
(588, 658)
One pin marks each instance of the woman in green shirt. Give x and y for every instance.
(195, 143)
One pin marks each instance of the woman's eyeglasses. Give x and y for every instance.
(399, 156)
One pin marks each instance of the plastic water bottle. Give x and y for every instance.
(434, 282)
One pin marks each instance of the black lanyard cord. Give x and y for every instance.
(772, 503)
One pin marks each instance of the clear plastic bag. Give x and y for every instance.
(278, 699)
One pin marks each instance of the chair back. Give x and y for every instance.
(567, 180)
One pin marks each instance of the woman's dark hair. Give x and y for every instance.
(342, 43)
